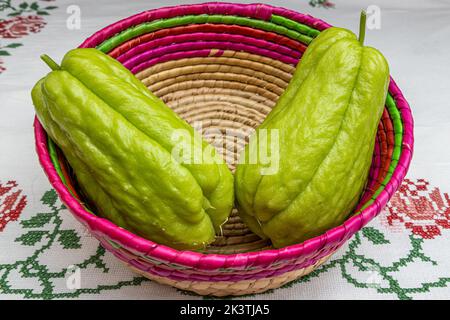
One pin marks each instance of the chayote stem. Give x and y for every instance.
(50, 62)
(362, 27)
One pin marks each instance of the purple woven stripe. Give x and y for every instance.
(208, 39)
(257, 11)
(148, 58)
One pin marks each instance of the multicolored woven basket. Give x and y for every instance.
(226, 65)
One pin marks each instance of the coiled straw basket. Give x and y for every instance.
(226, 65)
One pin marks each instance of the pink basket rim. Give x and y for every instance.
(202, 261)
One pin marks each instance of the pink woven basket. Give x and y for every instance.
(227, 64)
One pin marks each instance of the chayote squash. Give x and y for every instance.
(327, 121)
(118, 138)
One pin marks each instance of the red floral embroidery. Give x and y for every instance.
(423, 210)
(12, 203)
(18, 27)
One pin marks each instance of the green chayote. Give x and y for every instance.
(119, 139)
(327, 121)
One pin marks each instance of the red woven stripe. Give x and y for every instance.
(211, 28)
(386, 155)
(65, 172)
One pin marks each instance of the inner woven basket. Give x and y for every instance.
(228, 77)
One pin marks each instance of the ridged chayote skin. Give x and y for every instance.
(327, 121)
(118, 138)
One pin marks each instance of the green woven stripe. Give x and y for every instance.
(294, 25)
(396, 118)
(280, 25)
(54, 157)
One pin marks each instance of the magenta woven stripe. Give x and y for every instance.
(176, 275)
(257, 11)
(208, 28)
(146, 59)
(209, 40)
(254, 272)
(249, 272)
(177, 56)
(408, 123)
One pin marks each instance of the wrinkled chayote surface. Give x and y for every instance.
(327, 121)
(118, 138)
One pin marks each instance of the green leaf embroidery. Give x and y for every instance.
(23, 5)
(49, 198)
(13, 14)
(31, 237)
(14, 45)
(42, 13)
(34, 6)
(374, 236)
(50, 7)
(69, 239)
(4, 53)
(39, 220)
(30, 267)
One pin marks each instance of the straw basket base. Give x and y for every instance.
(233, 288)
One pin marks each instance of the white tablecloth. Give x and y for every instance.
(402, 254)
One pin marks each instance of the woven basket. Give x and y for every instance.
(226, 65)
